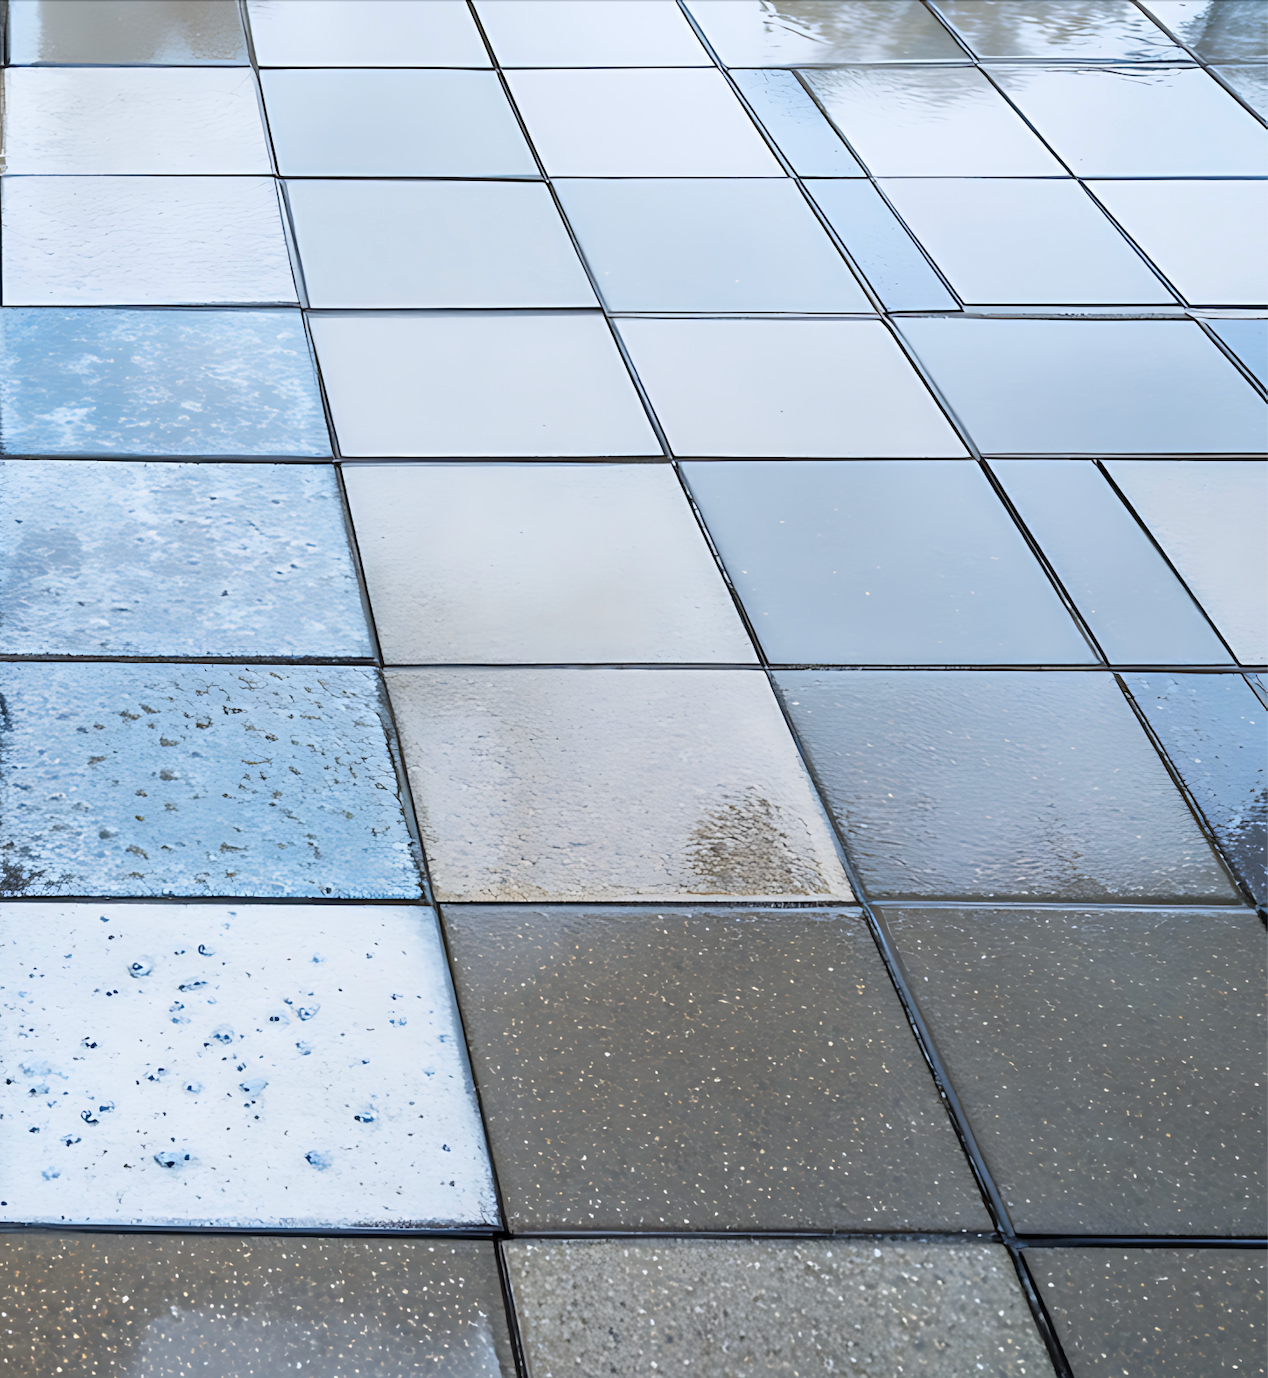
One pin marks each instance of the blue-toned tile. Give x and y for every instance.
(1059, 30)
(110, 382)
(1248, 339)
(199, 780)
(112, 558)
(796, 123)
(1217, 30)
(180, 33)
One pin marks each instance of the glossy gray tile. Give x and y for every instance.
(797, 125)
(1248, 340)
(1217, 30)
(121, 32)
(365, 33)
(590, 33)
(1059, 30)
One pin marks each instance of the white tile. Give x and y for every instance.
(590, 33)
(365, 33)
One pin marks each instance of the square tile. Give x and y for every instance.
(796, 124)
(652, 122)
(1106, 1060)
(813, 389)
(1099, 31)
(882, 562)
(707, 244)
(590, 33)
(1217, 30)
(365, 33)
(100, 120)
(182, 33)
(999, 785)
(311, 810)
(483, 384)
(111, 558)
(545, 786)
(293, 1067)
(109, 382)
(706, 1070)
(498, 564)
(144, 241)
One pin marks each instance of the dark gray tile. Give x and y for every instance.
(180, 33)
(706, 1070)
(1111, 1063)
(796, 123)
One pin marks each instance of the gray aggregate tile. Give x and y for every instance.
(177, 32)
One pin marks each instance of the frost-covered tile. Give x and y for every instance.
(202, 1065)
(199, 780)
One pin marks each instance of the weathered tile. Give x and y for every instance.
(365, 33)
(178, 32)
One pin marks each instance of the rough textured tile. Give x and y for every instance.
(199, 780)
(1060, 30)
(365, 33)
(180, 32)
(1155, 1312)
(253, 1306)
(1111, 1063)
(108, 382)
(714, 1070)
(590, 33)
(563, 785)
(999, 785)
(726, 1307)
(280, 1066)
(111, 558)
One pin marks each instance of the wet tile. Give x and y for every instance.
(818, 389)
(311, 809)
(726, 1306)
(1212, 728)
(145, 241)
(118, 559)
(707, 244)
(180, 32)
(1248, 340)
(940, 122)
(1138, 122)
(1136, 607)
(796, 124)
(1090, 387)
(1217, 30)
(483, 564)
(1203, 235)
(558, 786)
(270, 1066)
(368, 123)
(104, 382)
(882, 562)
(590, 33)
(654, 122)
(133, 120)
(480, 385)
(1209, 517)
(999, 785)
(1023, 241)
(434, 244)
(254, 1306)
(792, 33)
(1106, 1060)
(1060, 30)
(1106, 1305)
(365, 33)
(715, 1070)
(1250, 83)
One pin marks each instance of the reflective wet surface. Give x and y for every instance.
(175, 32)
(1073, 30)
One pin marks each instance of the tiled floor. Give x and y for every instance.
(633, 643)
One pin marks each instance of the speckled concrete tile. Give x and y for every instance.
(202, 1065)
(114, 558)
(1111, 1062)
(799, 1308)
(565, 785)
(199, 780)
(715, 1069)
(157, 1306)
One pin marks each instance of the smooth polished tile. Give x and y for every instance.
(109, 382)
(181, 33)
(937, 122)
(999, 785)
(1139, 612)
(719, 1307)
(1090, 387)
(434, 244)
(653, 122)
(280, 1066)
(1059, 30)
(707, 244)
(882, 562)
(485, 384)
(1250, 83)
(558, 786)
(814, 389)
(111, 558)
(258, 781)
(1248, 340)
(1209, 517)
(487, 564)
(797, 125)
(144, 241)
(254, 1306)
(371, 123)
(1106, 1060)
(706, 1070)
(590, 33)
(1217, 30)
(365, 33)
